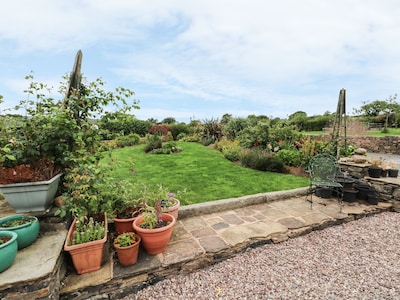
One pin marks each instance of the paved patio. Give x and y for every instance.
(204, 234)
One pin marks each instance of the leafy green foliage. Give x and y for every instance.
(153, 141)
(230, 149)
(125, 239)
(127, 140)
(261, 160)
(290, 157)
(178, 130)
(88, 231)
(85, 189)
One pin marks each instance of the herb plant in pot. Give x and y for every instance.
(8, 249)
(127, 247)
(85, 242)
(155, 228)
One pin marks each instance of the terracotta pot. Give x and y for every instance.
(173, 210)
(86, 257)
(155, 241)
(127, 256)
(123, 225)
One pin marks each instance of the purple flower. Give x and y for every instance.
(171, 195)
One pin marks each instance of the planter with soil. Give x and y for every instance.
(8, 249)
(155, 239)
(30, 187)
(26, 227)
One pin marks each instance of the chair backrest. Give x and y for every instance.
(323, 167)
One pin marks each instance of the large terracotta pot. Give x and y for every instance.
(27, 232)
(128, 255)
(86, 257)
(155, 241)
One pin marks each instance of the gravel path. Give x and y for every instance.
(356, 260)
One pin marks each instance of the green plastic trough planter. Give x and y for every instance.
(31, 196)
(27, 232)
(8, 250)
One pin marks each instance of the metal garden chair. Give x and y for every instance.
(323, 170)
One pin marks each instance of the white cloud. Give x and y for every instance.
(240, 55)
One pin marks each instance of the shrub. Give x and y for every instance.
(208, 141)
(128, 140)
(153, 141)
(160, 129)
(289, 157)
(182, 137)
(261, 160)
(179, 129)
(230, 149)
(167, 148)
(232, 153)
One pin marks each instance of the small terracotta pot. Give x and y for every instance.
(127, 256)
(173, 210)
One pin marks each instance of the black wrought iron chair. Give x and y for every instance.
(323, 170)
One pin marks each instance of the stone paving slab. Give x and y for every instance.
(35, 261)
(262, 229)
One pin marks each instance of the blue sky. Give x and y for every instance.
(202, 59)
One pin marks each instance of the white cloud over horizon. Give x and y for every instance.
(202, 59)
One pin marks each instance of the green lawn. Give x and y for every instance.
(203, 172)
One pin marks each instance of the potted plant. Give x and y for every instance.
(8, 249)
(155, 228)
(85, 242)
(26, 227)
(375, 169)
(86, 202)
(385, 169)
(126, 205)
(159, 193)
(393, 169)
(127, 247)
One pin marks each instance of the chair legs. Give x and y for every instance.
(339, 192)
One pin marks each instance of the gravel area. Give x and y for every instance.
(356, 260)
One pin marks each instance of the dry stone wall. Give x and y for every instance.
(387, 144)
